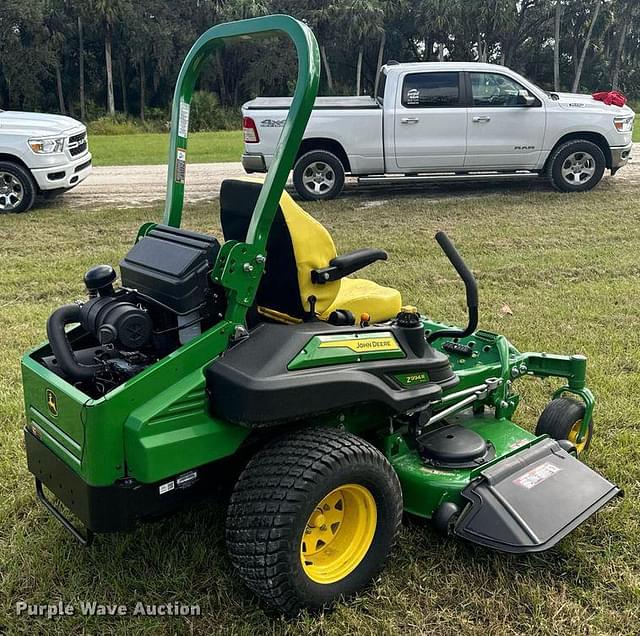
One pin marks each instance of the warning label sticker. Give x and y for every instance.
(168, 487)
(183, 120)
(537, 475)
(181, 165)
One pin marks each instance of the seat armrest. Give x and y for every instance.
(346, 264)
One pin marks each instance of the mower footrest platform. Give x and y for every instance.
(530, 501)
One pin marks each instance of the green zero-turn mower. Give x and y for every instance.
(338, 407)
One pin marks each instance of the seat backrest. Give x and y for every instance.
(297, 243)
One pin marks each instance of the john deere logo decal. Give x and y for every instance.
(358, 345)
(52, 403)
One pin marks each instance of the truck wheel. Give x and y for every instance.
(562, 419)
(312, 518)
(318, 175)
(17, 188)
(576, 166)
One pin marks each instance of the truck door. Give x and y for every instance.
(506, 123)
(430, 122)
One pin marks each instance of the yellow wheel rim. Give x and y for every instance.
(573, 437)
(338, 534)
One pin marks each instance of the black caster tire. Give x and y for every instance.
(561, 420)
(312, 518)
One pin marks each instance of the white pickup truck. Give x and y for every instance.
(39, 154)
(450, 120)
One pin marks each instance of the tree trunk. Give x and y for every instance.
(141, 65)
(222, 86)
(482, 48)
(83, 111)
(576, 79)
(59, 87)
(123, 85)
(111, 105)
(359, 70)
(440, 52)
(616, 63)
(556, 47)
(327, 68)
(383, 41)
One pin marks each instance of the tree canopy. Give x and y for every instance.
(95, 57)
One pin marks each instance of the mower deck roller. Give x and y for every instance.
(333, 408)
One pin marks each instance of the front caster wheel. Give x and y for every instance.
(313, 518)
(562, 419)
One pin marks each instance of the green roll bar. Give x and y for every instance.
(296, 122)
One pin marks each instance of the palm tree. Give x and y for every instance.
(587, 42)
(556, 46)
(108, 12)
(320, 16)
(365, 19)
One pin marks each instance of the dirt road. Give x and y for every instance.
(131, 186)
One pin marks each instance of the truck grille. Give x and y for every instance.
(77, 144)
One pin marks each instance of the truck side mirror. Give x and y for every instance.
(525, 98)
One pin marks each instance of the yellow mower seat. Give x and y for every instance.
(360, 295)
(297, 246)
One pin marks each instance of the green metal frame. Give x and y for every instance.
(240, 265)
(495, 356)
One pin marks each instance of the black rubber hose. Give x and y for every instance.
(471, 288)
(60, 346)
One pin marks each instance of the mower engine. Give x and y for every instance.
(166, 299)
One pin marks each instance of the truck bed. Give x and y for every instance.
(321, 103)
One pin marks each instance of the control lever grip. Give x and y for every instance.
(471, 288)
(460, 266)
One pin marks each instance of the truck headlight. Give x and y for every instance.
(623, 124)
(47, 146)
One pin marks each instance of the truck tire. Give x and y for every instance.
(318, 175)
(576, 166)
(313, 518)
(17, 188)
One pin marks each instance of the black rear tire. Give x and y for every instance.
(22, 184)
(277, 496)
(585, 152)
(330, 175)
(560, 419)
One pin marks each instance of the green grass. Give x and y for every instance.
(567, 266)
(153, 148)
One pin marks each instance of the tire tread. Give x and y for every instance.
(271, 490)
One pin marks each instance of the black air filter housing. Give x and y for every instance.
(171, 266)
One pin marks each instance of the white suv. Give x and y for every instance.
(39, 154)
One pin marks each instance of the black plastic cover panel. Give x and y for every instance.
(251, 385)
(528, 502)
(171, 266)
